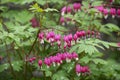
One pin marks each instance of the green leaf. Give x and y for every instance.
(113, 44)
(60, 75)
(36, 8)
(99, 61)
(4, 67)
(50, 10)
(97, 54)
(97, 3)
(110, 27)
(23, 17)
(69, 66)
(48, 73)
(85, 4)
(85, 59)
(74, 48)
(17, 65)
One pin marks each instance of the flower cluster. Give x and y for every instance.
(113, 12)
(67, 10)
(52, 38)
(81, 69)
(34, 22)
(58, 59)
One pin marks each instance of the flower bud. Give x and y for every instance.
(40, 63)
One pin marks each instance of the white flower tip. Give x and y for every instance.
(106, 16)
(76, 59)
(78, 74)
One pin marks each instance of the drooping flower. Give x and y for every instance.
(31, 60)
(41, 37)
(113, 12)
(75, 56)
(65, 38)
(118, 12)
(100, 8)
(78, 69)
(105, 12)
(40, 63)
(79, 34)
(63, 10)
(81, 69)
(62, 20)
(50, 37)
(69, 9)
(52, 34)
(83, 33)
(34, 22)
(85, 69)
(58, 39)
(70, 37)
(76, 6)
(75, 37)
(47, 62)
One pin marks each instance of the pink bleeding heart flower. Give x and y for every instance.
(63, 57)
(66, 39)
(83, 33)
(118, 12)
(52, 34)
(105, 12)
(100, 8)
(70, 37)
(57, 37)
(34, 22)
(75, 56)
(78, 69)
(62, 20)
(75, 37)
(76, 6)
(69, 56)
(47, 62)
(63, 10)
(40, 63)
(31, 60)
(85, 69)
(41, 37)
(79, 34)
(69, 9)
(113, 12)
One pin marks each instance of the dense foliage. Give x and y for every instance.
(59, 40)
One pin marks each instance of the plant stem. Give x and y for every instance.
(25, 66)
(9, 61)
